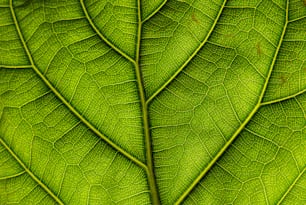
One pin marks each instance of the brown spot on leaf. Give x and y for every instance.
(258, 48)
(304, 2)
(194, 18)
(283, 79)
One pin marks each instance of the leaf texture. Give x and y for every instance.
(152, 102)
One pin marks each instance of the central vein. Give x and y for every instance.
(145, 116)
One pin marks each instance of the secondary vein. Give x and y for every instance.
(65, 102)
(291, 186)
(284, 98)
(102, 36)
(13, 176)
(246, 121)
(155, 11)
(31, 174)
(16, 66)
(159, 90)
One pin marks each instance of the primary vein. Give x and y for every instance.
(64, 101)
(144, 107)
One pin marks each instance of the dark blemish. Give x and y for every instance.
(283, 80)
(194, 18)
(258, 48)
(304, 2)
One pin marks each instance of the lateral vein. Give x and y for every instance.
(190, 57)
(16, 66)
(32, 175)
(155, 11)
(284, 98)
(291, 186)
(64, 101)
(102, 36)
(13, 176)
(241, 127)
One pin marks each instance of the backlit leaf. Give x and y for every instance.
(152, 102)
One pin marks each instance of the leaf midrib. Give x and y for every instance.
(149, 167)
(145, 112)
(144, 107)
(68, 105)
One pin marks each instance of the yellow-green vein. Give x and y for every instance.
(246, 121)
(275, 56)
(15, 66)
(291, 187)
(32, 175)
(64, 101)
(145, 116)
(159, 90)
(13, 176)
(102, 36)
(155, 11)
(216, 157)
(284, 98)
(296, 19)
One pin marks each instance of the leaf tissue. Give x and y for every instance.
(153, 102)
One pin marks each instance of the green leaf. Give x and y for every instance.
(152, 102)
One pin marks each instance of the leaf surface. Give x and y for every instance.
(152, 102)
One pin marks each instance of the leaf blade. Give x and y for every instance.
(69, 106)
(223, 127)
